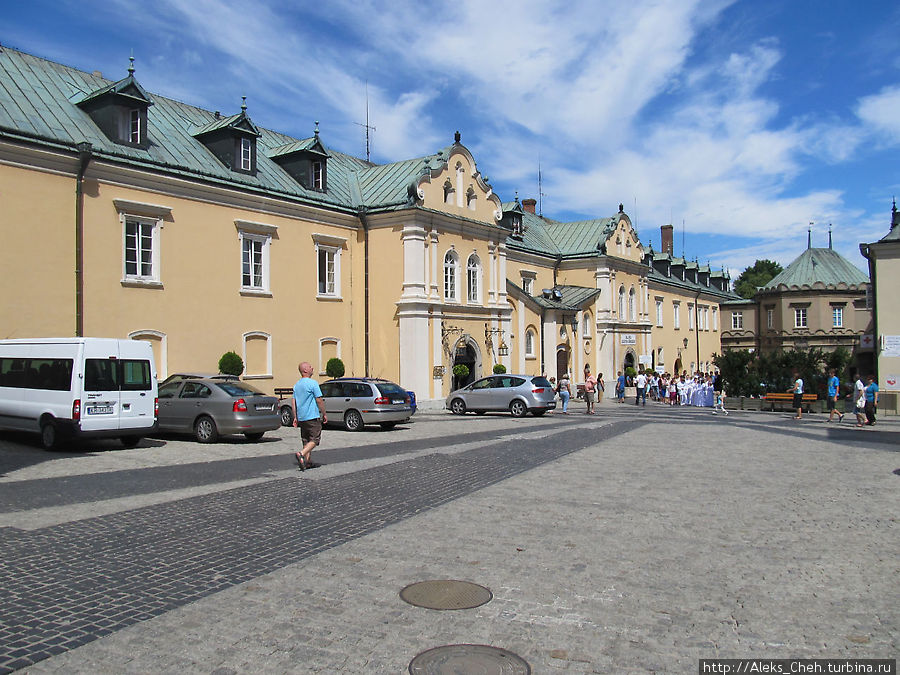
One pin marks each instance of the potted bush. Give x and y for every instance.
(499, 369)
(334, 368)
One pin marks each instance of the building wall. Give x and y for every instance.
(887, 280)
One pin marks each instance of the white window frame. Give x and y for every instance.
(257, 376)
(530, 344)
(676, 315)
(257, 244)
(246, 154)
(451, 276)
(322, 342)
(659, 312)
(715, 318)
(329, 243)
(737, 321)
(691, 316)
(586, 331)
(621, 303)
(331, 255)
(261, 233)
(837, 317)
(632, 305)
(135, 132)
(138, 277)
(473, 280)
(801, 317)
(318, 176)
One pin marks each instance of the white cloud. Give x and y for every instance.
(881, 113)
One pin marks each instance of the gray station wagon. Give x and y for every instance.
(518, 394)
(358, 401)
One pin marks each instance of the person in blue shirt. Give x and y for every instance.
(308, 407)
(871, 401)
(834, 386)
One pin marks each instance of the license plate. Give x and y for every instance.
(261, 408)
(398, 400)
(99, 410)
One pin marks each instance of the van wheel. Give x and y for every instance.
(49, 435)
(205, 430)
(353, 421)
(130, 441)
(287, 416)
(518, 408)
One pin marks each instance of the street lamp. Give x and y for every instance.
(685, 341)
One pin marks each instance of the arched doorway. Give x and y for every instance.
(562, 361)
(466, 355)
(629, 359)
(678, 367)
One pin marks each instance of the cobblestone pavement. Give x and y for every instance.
(638, 540)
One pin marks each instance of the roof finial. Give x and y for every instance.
(131, 63)
(809, 235)
(317, 129)
(457, 137)
(243, 104)
(829, 235)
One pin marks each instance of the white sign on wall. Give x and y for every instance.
(890, 345)
(645, 360)
(629, 339)
(890, 381)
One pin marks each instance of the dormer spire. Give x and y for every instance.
(809, 235)
(244, 104)
(317, 129)
(131, 64)
(829, 235)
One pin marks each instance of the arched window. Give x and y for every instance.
(450, 268)
(586, 329)
(631, 308)
(621, 303)
(473, 277)
(529, 343)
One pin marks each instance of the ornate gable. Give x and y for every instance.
(623, 241)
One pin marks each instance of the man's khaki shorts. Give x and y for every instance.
(310, 431)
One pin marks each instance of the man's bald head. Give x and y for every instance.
(305, 368)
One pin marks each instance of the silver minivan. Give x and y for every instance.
(66, 388)
(518, 394)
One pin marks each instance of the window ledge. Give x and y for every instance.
(252, 293)
(142, 283)
(330, 298)
(530, 357)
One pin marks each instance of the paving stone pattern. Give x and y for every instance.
(64, 586)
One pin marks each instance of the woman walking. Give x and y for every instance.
(565, 393)
(871, 401)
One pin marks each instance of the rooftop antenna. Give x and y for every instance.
(809, 235)
(367, 126)
(829, 235)
(682, 237)
(540, 189)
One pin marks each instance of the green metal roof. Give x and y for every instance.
(818, 267)
(573, 298)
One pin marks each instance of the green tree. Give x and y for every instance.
(231, 364)
(759, 274)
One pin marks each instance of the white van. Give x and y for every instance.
(65, 388)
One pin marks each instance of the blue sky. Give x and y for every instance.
(739, 122)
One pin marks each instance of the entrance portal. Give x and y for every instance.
(464, 355)
(562, 362)
(629, 360)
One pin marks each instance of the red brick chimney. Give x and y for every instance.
(666, 233)
(528, 205)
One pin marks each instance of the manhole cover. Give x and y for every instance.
(446, 594)
(453, 659)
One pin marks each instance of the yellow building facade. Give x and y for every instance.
(133, 215)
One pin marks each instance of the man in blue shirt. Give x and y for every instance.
(308, 407)
(834, 385)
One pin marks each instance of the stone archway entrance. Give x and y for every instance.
(466, 355)
(629, 359)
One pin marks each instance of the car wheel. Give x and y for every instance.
(518, 408)
(287, 416)
(205, 430)
(387, 426)
(458, 406)
(254, 435)
(353, 421)
(49, 435)
(130, 441)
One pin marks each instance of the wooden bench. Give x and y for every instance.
(787, 399)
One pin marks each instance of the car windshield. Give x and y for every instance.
(390, 389)
(238, 389)
(541, 382)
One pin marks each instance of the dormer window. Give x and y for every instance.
(120, 111)
(246, 154)
(305, 161)
(318, 176)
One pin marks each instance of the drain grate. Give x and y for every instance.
(452, 659)
(446, 594)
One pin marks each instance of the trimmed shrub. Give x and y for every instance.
(334, 368)
(231, 364)
(499, 369)
(461, 370)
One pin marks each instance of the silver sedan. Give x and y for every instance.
(210, 408)
(518, 394)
